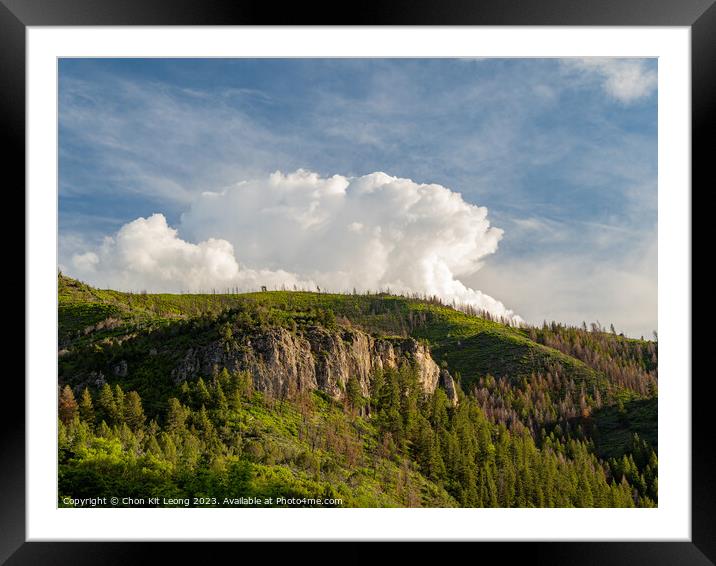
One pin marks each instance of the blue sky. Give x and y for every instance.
(562, 153)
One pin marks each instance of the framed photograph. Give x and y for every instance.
(410, 277)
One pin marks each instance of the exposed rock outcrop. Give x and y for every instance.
(448, 384)
(282, 361)
(120, 369)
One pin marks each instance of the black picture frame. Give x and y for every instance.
(17, 15)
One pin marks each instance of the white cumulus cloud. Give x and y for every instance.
(147, 254)
(626, 80)
(374, 232)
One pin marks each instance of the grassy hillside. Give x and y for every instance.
(616, 425)
(469, 345)
(561, 398)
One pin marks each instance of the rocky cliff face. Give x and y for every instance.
(448, 384)
(281, 361)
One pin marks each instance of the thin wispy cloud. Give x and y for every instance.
(626, 80)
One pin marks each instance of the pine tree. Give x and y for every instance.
(224, 378)
(105, 404)
(133, 411)
(354, 395)
(169, 449)
(67, 405)
(376, 384)
(220, 403)
(176, 415)
(202, 422)
(118, 404)
(86, 407)
(243, 383)
(201, 393)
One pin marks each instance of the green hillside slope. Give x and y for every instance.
(549, 394)
(469, 345)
